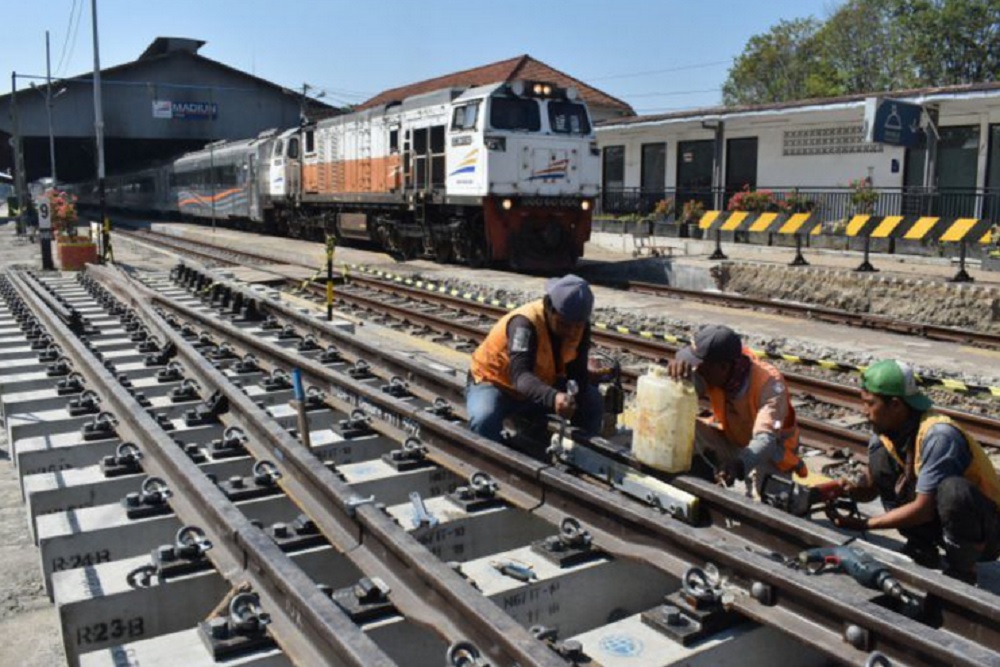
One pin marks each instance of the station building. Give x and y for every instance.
(816, 147)
(168, 101)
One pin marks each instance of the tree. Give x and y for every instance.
(781, 64)
(956, 41)
(869, 46)
(866, 47)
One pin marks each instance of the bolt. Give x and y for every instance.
(762, 592)
(672, 615)
(236, 482)
(856, 636)
(281, 530)
(219, 627)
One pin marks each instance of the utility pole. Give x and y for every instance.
(99, 128)
(19, 184)
(45, 235)
(48, 106)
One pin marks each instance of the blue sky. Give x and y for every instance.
(656, 55)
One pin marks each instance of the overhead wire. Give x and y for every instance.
(76, 30)
(661, 71)
(69, 29)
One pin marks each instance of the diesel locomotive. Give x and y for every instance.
(499, 174)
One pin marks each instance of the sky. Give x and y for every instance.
(657, 55)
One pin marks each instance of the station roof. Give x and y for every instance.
(522, 67)
(919, 95)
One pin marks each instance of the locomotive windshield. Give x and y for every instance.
(513, 113)
(568, 118)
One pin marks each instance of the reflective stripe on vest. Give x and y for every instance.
(491, 362)
(980, 472)
(740, 434)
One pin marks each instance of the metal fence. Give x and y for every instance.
(828, 203)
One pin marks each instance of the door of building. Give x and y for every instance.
(694, 172)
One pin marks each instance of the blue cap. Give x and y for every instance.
(570, 297)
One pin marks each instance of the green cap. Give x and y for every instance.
(895, 378)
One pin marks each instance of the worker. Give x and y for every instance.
(936, 484)
(532, 359)
(753, 426)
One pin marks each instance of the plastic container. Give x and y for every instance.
(666, 411)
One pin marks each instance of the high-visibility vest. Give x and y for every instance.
(739, 432)
(491, 362)
(980, 472)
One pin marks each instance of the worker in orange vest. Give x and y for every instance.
(531, 361)
(753, 426)
(937, 485)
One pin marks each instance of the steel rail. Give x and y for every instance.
(307, 625)
(819, 313)
(983, 428)
(420, 578)
(828, 600)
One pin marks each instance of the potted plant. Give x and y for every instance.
(691, 215)
(863, 196)
(73, 251)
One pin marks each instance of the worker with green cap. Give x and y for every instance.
(935, 481)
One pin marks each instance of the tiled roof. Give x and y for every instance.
(522, 67)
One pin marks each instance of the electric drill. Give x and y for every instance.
(867, 571)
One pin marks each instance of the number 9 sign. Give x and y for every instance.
(44, 213)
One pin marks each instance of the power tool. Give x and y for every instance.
(802, 500)
(863, 567)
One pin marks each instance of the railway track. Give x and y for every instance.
(453, 322)
(823, 314)
(370, 549)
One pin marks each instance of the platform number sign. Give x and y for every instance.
(44, 213)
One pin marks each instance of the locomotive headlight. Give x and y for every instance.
(495, 143)
(585, 204)
(507, 204)
(546, 90)
(537, 89)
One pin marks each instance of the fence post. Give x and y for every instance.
(718, 254)
(962, 276)
(799, 260)
(866, 266)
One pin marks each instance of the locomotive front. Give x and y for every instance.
(527, 151)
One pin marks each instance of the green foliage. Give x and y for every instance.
(863, 196)
(693, 211)
(867, 46)
(664, 208)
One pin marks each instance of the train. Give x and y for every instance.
(505, 174)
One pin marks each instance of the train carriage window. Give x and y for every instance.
(310, 142)
(437, 139)
(568, 118)
(394, 140)
(465, 117)
(279, 148)
(293, 148)
(512, 113)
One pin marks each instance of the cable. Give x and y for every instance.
(675, 92)
(661, 71)
(69, 29)
(76, 30)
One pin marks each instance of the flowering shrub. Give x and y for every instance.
(863, 196)
(664, 208)
(796, 203)
(64, 216)
(755, 201)
(693, 210)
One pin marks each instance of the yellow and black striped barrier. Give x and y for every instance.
(827, 364)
